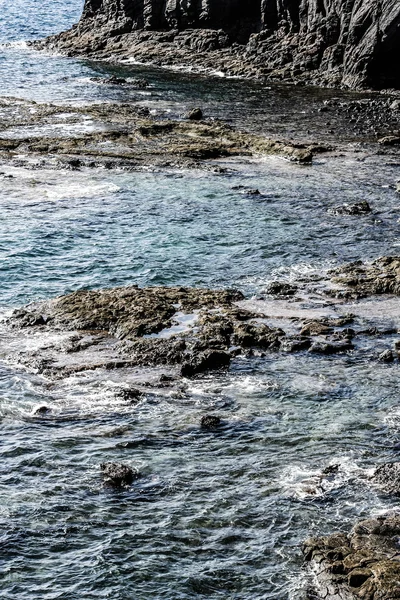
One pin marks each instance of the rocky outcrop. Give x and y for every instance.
(387, 477)
(351, 43)
(382, 276)
(363, 564)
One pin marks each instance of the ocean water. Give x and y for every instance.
(216, 515)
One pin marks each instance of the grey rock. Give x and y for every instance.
(206, 361)
(279, 288)
(387, 477)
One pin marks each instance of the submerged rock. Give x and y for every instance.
(361, 208)
(118, 475)
(362, 564)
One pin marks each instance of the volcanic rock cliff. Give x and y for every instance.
(349, 43)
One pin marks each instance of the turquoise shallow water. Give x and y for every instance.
(215, 515)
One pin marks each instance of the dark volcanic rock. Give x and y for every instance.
(386, 356)
(361, 208)
(42, 410)
(206, 361)
(210, 421)
(387, 477)
(131, 394)
(280, 288)
(118, 475)
(351, 43)
(196, 114)
(363, 564)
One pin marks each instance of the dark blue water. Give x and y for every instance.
(215, 515)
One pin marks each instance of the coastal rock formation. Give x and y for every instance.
(350, 43)
(363, 564)
(382, 276)
(387, 477)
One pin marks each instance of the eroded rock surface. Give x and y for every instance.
(342, 42)
(382, 276)
(363, 564)
(126, 136)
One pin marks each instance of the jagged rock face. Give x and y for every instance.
(353, 43)
(173, 14)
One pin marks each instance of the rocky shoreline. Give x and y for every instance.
(186, 332)
(346, 44)
(181, 334)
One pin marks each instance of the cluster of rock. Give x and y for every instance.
(359, 279)
(363, 564)
(127, 136)
(131, 326)
(341, 42)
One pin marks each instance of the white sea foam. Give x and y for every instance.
(299, 481)
(183, 322)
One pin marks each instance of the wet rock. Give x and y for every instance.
(386, 356)
(42, 410)
(118, 475)
(344, 44)
(295, 343)
(316, 328)
(210, 421)
(247, 335)
(196, 114)
(382, 276)
(114, 80)
(140, 83)
(131, 394)
(363, 564)
(387, 477)
(390, 140)
(205, 361)
(166, 378)
(331, 347)
(360, 208)
(279, 288)
(331, 470)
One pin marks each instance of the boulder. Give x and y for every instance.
(205, 361)
(196, 114)
(387, 477)
(118, 475)
(210, 421)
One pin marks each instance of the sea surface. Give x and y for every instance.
(220, 514)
